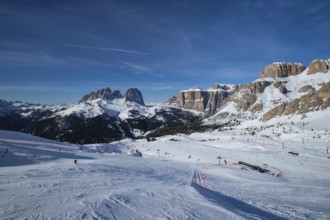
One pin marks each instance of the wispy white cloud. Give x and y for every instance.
(133, 66)
(314, 9)
(140, 69)
(102, 48)
(164, 86)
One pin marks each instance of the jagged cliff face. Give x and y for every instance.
(134, 95)
(214, 102)
(172, 101)
(193, 99)
(322, 66)
(245, 98)
(211, 101)
(281, 69)
(207, 101)
(105, 93)
(131, 95)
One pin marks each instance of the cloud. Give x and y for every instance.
(102, 48)
(164, 86)
(139, 68)
(313, 9)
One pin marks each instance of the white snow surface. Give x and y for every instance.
(39, 179)
(292, 84)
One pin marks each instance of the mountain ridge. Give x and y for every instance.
(284, 82)
(105, 115)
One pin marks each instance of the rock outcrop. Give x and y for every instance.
(245, 96)
(207, 101)
(134, 95)
(322, 66)
(280, 86)
(256, 87)
(307, 88)
(172, 100)
(214, 102)
(281, 69)
(195, 99)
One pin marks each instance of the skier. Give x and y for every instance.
(75, 161)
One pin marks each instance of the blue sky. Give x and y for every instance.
(56, 51)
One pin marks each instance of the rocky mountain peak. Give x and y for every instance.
(134, 95)
(117, 94)
(105, 93)
(282, 69)
(215, 86)
(322, 66)
(172, 100)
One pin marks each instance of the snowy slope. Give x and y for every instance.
(292, 84)
(109, 183)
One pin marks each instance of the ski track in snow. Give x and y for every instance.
(39, 181)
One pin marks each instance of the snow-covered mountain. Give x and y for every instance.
(283, 90)
(101, 116)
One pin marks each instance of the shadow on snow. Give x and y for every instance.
(234, 205)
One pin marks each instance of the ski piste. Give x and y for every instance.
(173, 179)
